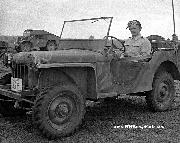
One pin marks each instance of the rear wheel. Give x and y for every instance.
(60, 111)
(162, 96)
(51, 46)
(26, 47)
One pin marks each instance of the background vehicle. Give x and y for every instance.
(5, 72)
(3, 44)
(57, 84)
(36, 40)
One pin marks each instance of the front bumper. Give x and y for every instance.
(5, 90)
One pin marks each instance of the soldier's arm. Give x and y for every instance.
(145, 50)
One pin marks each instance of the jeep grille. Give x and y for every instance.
(21, 71)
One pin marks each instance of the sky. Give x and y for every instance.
(154, 15)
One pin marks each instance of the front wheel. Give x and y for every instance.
(162, 96)
(60, 111)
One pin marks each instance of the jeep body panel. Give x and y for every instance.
(77, 66)
(159, 59)
(132, 77)
(178, 55)
(112, 76)
(124, 76)
(62, 56)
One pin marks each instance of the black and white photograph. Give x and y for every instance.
(89, 71)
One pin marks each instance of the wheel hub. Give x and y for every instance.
(60, 110)
(163, 92)
(51, 47)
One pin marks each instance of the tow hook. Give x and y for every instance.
(16, 104)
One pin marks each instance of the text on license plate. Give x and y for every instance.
(16, 84)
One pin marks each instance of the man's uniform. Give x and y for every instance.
(137, 46)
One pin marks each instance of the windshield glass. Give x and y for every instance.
(94, 28)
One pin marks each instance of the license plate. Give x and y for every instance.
(16, 84)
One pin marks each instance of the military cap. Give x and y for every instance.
(134, 22)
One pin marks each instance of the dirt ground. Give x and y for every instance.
(125, 120)
(105, 123)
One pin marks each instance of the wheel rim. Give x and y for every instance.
(60, 111)
(51, 46)
(164, 91)
(26, 47)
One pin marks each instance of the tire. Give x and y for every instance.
(59, 111)
(51, 46)
(7, 109)
(162, 95)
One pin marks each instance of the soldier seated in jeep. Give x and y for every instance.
(137, 47)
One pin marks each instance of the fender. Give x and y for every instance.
(146, 79)
(80, 74)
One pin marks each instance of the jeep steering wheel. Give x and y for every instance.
(122, 43)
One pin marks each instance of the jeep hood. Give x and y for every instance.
(61, 56)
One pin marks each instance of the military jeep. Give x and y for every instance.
(36, 40)
(86, 66)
